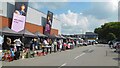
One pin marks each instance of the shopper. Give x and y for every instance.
(60, 46)
(1, 42)
(55, 45)
(7, 44)
(17, 55)
(12, 53)
(36, 43)
(18, 44)
(45, 43)
(50, 44)
(110, 43)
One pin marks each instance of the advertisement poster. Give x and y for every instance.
(18, 22)
(49, 23)
(19, 16)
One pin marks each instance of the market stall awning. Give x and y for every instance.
(39, 34)
(57, 36)
(69, 38)
(51, 36)
(8, 31)
(62, 37)
(26, 33)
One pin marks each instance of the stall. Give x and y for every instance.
(39, 34)
(40, 37)
(27, 36)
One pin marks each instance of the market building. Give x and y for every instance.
(35, 20)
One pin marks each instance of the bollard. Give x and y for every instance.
(106, 53)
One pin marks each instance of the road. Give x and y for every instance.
(92, 55)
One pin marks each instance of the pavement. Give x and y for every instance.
(91, 55)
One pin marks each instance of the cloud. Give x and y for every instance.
(47, 5)
(103, 10)
(75, 23)
(48, 0)
(97, 14)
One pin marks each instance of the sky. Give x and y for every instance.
(80, 17)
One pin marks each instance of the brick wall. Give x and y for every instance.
(31, 27)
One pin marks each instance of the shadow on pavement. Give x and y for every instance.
(117, 59)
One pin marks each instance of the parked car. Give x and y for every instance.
(116, 45)
(96, 42)
(85, 43)
(81, 43)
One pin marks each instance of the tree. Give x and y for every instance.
(111, 36)
(108, 31)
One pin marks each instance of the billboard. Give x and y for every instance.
(48, 25)
(19, 16)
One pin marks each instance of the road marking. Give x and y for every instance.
(79, 55)
(62, 65)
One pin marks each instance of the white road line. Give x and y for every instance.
(79, 55)
(62, 65)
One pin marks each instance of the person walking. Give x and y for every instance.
(110, 43)
(55, 45)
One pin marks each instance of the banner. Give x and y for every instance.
(18, 22)
(49, 23)
(19, 16)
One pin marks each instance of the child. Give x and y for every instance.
(12, 53)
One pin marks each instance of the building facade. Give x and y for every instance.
(35, 20)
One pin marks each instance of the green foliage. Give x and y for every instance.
(111, 36)
(108, 31)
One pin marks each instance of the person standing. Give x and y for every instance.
(60, 46)
(55, 45)
(110, 44)
(45, 43)
(1, 42)
(12, 53)
(36, 43)
(50, 44)
(18, 43)
(7, 44)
